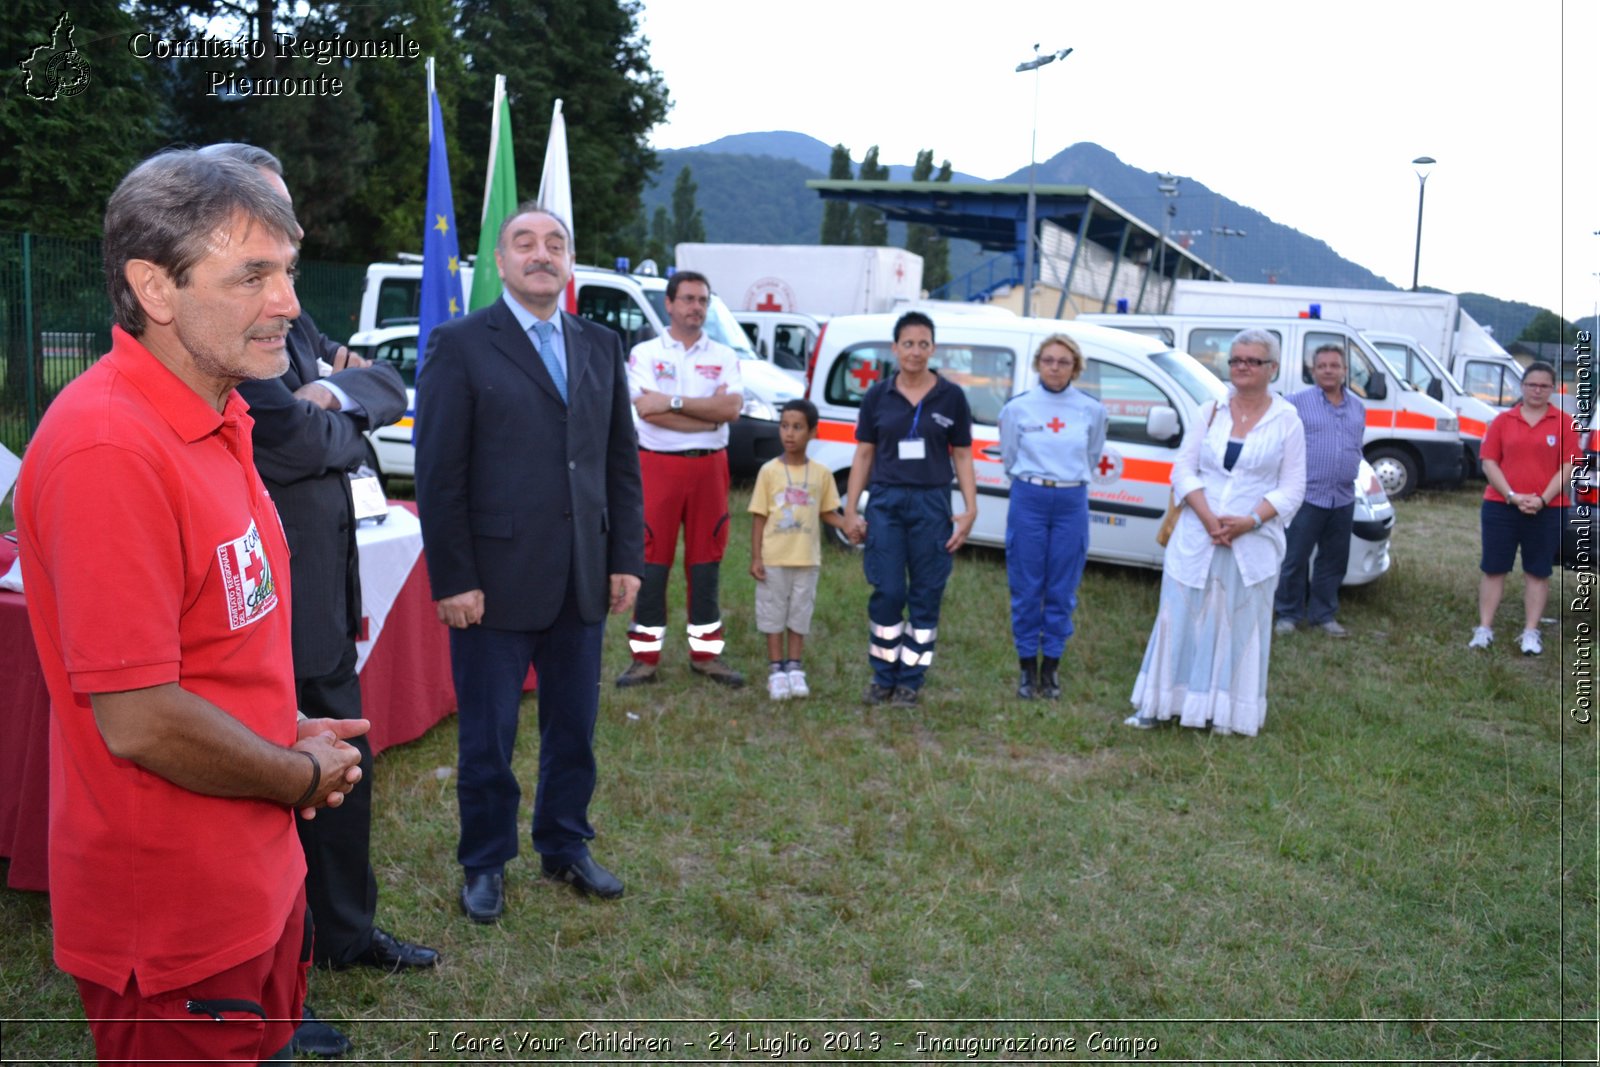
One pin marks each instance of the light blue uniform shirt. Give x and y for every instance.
(1057, 436)
(526, 319)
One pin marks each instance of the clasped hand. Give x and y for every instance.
(338, 761)
(1224, 528)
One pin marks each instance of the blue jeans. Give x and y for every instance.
(1327, 532)
(907, 566)
(1047, 542)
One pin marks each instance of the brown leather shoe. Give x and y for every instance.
(718, 672)
(638, 673)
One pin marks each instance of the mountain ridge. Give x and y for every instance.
(752, 190)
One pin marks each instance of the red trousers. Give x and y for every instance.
(688, 492)
(243, 1015)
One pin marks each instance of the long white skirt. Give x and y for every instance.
(1206, 663)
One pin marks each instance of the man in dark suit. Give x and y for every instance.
(308, 433)
(532, 519)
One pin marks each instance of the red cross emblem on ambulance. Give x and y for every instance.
(1108, 469)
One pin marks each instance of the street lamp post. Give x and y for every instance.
(1034, 64)
(1168, 184)
(1424, 165)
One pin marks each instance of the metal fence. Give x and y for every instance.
(55, 319)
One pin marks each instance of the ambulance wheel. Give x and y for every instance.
(1396, 470)
(836, 535)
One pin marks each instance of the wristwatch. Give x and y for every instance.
(676, 403)
(1257, 517)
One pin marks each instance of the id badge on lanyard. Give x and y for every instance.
(911, 446)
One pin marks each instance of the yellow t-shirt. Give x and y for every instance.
(793, 499)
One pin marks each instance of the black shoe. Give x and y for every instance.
(483, 898)
(389, 953)
(1050, 678)
(1028, 683)
(877, 694)
(904, 697)
(587, 877)
(313, 1037)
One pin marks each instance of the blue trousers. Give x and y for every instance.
(1047, 542)
(907, 566)
(1306, 592)
(489, 667)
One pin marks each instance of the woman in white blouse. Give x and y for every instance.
(1241, 475)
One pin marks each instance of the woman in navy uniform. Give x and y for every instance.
(913, 435)
(1050, 438)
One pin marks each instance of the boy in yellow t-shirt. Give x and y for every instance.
(792, 498)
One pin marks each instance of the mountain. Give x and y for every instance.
(752, 190)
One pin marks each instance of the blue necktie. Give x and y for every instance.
(547, 352)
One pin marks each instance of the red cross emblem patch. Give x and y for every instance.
(247, 583)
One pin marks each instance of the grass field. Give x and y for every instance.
(1401, 868)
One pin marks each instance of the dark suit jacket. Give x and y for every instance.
(519, 494)
(303, 452)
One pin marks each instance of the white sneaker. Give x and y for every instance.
(1482, 637)
(778, 685)
(1139, 723)
(797, 683)
(1531, 645)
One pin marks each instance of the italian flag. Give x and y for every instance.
(499, 200)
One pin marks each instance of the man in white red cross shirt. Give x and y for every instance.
(686, 389)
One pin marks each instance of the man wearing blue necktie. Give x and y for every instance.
(532, 517)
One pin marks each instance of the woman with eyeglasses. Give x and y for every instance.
(1050, 438)
(1241, 476)
(1527, 455)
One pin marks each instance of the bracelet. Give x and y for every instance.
(1257, 517)
(316, 780)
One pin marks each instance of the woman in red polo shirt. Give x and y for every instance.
(1527, 459)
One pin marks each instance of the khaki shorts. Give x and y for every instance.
(785, 600)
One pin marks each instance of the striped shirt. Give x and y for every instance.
(1333, 445)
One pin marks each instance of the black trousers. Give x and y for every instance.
(341, 890)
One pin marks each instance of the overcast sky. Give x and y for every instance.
(1309, 113)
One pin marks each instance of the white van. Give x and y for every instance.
(1413, 364)
(1411, 438)
(783, 338)
(633, 305)
(1152, 394)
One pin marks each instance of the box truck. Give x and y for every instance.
(812, 279)
(1465, 348)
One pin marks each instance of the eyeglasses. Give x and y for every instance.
(1053, 363)
(1242, 361)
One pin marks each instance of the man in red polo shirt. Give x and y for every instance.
(1527, 457)
(157, 583)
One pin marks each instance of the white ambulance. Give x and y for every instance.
(1153, 395)
(1411, 438)
(1417, 367)
(633, 305)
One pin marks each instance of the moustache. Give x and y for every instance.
(541, 268)
(278, 330)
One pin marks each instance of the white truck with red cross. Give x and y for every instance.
(1153, 395)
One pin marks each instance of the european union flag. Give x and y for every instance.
(441, 254)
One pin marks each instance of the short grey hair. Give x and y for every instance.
(1329, 346)
(244, 153)
(532, 207)
(1256, 336)
(167, 209)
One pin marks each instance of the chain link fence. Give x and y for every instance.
(55, 319)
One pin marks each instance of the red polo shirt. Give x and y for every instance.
(1529, 456)
(152, 554)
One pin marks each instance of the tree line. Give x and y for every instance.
(865, 225)
(356, 161)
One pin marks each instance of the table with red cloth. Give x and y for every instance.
(404, 662)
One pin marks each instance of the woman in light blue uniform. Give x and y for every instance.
(1050, 439)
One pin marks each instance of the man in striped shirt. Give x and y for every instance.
(1335, 420)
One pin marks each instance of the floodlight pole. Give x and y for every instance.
(1033, 151)
(1424, 165)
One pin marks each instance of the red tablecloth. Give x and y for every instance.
(405, 690)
